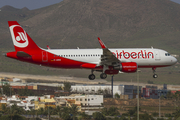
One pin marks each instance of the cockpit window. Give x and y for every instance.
(167, 54)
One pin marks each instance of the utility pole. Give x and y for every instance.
(88, 98)
(112, 85)
(159, 105)
(10, 103)
(48, 110)
(138, 94)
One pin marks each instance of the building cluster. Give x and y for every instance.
(37, 88)
(125, 91)
(37, 102)
(91, 96)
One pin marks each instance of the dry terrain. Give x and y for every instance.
(146, 105)
(46, 78)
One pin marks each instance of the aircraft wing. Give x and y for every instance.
(108, 58)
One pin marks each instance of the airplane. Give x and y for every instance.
(104, 60)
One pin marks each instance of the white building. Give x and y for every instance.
(16, 80)
(31, 98)
(95, 88)
(26, 105)
(86, 100)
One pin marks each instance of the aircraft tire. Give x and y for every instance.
(92, 77)
(103, 76)
(155, 76)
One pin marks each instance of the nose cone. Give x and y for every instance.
(173, 60)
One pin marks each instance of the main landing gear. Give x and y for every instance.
(103, 76)
(92, 76)
(154, 71)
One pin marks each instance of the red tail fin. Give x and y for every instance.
(21, 40)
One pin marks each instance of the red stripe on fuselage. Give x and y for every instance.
(61, 62)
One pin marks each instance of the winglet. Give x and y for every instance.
(101, 43)
(48, 47)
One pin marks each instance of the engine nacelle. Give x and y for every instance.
(127, 67)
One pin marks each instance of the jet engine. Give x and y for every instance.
(127, 67)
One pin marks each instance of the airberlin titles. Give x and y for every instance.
(134, 55)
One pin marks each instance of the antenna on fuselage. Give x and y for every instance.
(151, 47)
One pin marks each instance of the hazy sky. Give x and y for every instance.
(30, 4)
(178, 1)
(34, 4)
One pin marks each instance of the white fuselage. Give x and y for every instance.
(144, 57)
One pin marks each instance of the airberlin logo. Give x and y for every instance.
(22, 38)
(134, 55)
(19, 36)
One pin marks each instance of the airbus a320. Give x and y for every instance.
(104, 60)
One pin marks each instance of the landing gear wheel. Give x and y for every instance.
(155, 76)
(91, 77)
(154, 71)
(103, 76)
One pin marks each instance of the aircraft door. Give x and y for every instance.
(44, 56)
(157, 55)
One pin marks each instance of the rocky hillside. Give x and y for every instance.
(135, 23)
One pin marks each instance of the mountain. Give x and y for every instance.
(116, 21)
(78, 23)
(135, 23)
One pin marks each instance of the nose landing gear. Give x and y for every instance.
(155, 76)
(154, 71)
